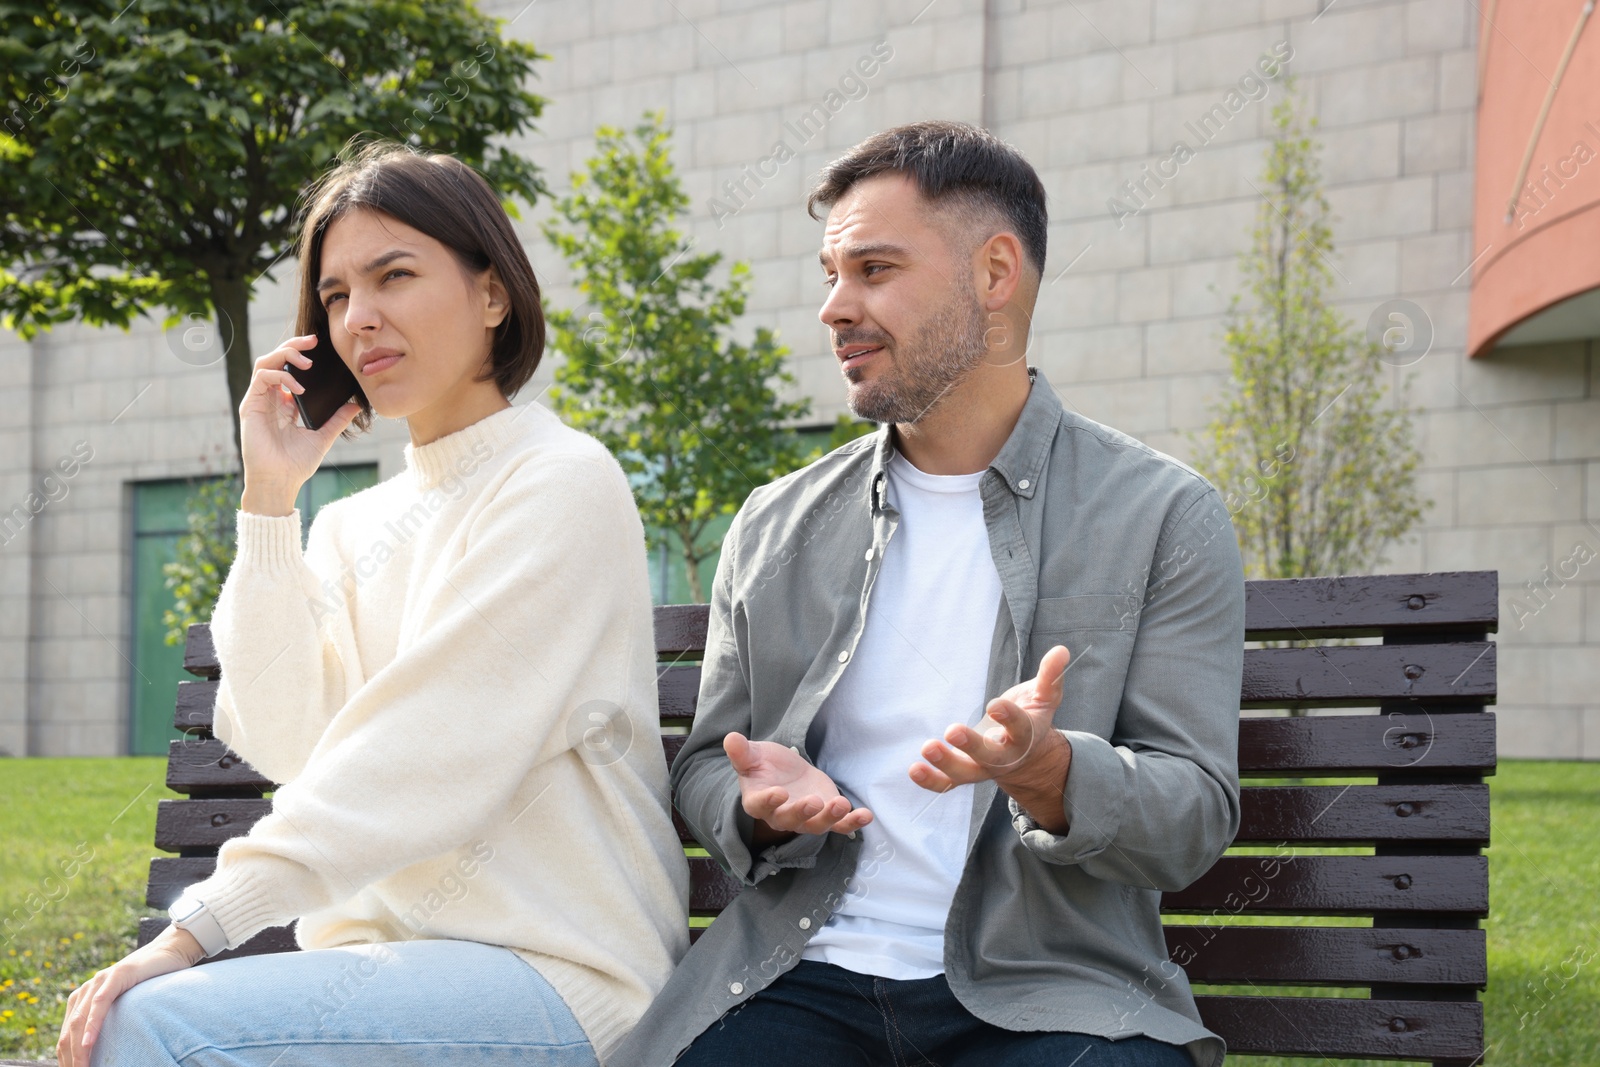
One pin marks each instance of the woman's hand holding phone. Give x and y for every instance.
(279, 456)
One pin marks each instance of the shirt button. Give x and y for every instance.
(844, 656)
(869, 555)
(736, 988)
(1023, 484)
(805, 924)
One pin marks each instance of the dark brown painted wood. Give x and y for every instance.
(199, 654)
(171, 875)
(677, 693)
(196, 701)
(1237, 885)
(1411, 741)
(1317, 1026)
(1286, 884)
(681, 629)
(1401, 741)
(710, 889)
(272, 939)
(185, 825)
(1325, 676)
(1364, 814)
(200, 824)
(1371, 605)
(1328, 956)
(1334, 676)
(1309, 885)
(1351, 606)
(210, 768)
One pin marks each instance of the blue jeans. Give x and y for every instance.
(818, 1013)
(400, 1004)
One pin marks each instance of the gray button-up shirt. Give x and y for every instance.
(1119, 552)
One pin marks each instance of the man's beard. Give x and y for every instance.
(948, 347)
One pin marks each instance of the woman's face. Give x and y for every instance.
(407, 320)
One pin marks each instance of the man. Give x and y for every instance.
(970, 692)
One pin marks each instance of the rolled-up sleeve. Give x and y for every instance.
(1157, 803)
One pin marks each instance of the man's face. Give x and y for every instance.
(902, 301)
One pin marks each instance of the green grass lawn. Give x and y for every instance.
(75, 834)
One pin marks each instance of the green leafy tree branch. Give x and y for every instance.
(1317, 467)
(693, 415)
(152, 154)
(204, 557)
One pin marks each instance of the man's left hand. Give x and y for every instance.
(1015, 743)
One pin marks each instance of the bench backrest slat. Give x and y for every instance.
(1426, 742)
(1428, 1030)
(1372, 605)
(1441, 602)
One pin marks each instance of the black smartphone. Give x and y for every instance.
(328, 384)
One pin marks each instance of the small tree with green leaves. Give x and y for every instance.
(649, 366)
(152, 154)
(205, 555)
(1316, 469)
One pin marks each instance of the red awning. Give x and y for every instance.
(1537, 239)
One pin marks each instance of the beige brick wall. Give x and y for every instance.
(1091, 91)
(66, 582)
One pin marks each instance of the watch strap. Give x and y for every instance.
(200, 923)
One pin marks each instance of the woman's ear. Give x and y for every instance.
(496, 299)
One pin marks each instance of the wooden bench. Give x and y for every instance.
(1402, 987)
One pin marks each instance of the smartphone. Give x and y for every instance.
(328, 384)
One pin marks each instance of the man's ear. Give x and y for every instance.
(1001, 266)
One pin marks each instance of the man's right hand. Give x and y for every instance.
(785, 794)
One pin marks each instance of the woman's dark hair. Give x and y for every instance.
(953, 163)
(450, 202)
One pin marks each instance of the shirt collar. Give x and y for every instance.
(1021, 458)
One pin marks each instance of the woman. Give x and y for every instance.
(448, 684)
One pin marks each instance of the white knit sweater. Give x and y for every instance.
(454, 686)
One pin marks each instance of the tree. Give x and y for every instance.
(693, 416)
(205, 555)
(1317, 472)
(151, 154)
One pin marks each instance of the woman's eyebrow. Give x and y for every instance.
(388, 257)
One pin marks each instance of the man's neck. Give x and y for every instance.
(967, 429)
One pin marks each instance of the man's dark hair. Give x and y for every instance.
(951, 163)
(450, 202)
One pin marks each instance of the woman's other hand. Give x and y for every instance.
(279, 455)
(172, 950)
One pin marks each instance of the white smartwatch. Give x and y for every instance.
(191, 914)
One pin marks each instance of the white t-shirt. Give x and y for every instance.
(921, 664)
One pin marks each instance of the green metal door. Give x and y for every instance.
(160, 518)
